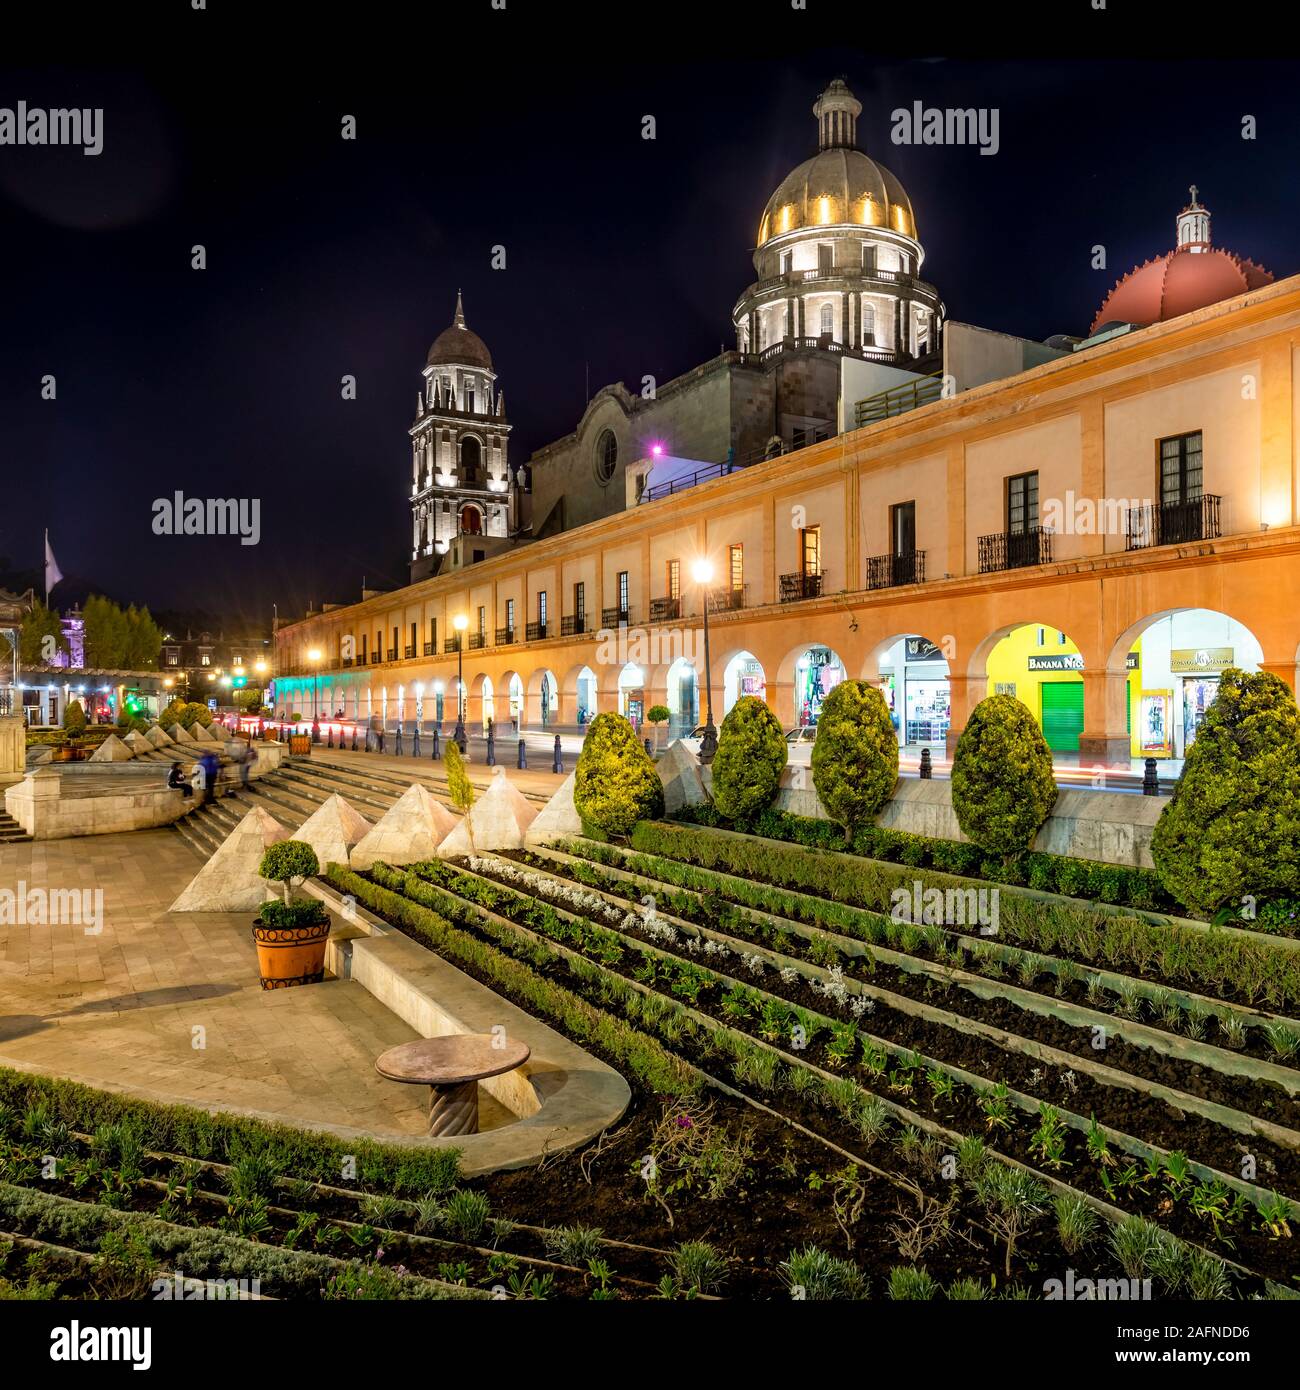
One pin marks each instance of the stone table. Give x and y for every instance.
(452, 1067)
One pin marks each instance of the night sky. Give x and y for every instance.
(328, 257)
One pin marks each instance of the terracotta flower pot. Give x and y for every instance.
(288, 956)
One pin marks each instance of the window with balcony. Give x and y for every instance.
(787, 262)
(827, 319)
(736, 567)
(904, 564)
(869, 325)
(825, 257)
(1024, 541)
(810, 551)
(1184, 512)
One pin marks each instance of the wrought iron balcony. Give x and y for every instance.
(727, 600)
(451, 645)
(410, 650)
(536, 631)
(430, 648)
(800, 586)
(347, 661)
(615, 617)
(665, 610)
(889, 571)
(477, 640)
(1173, 523)
(392, 653)
(505, 636)
(573, 627)
(1013, 550)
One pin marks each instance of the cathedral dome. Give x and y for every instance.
(458, 346)
(1189, 277)
(839, 185)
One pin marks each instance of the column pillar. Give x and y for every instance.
(1105, 737)
(1283, 670)
(780, 698)
(965, 693)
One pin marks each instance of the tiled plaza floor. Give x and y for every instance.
(125, 1009)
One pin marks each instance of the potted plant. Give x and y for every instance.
(290, 934)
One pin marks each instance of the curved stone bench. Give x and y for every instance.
(563, 1096)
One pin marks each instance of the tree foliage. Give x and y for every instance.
(74, 717)
(1232, 827)
(615, 784)
(1002, 783)
(41, 636)
(459, 787)
(751, 755)
(288, 862)
(120, 639)
(855, 757)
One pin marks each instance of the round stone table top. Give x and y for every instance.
(451, 1060)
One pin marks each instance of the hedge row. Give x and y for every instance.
(655, 1067)
(220, 1138)
(1117, 884)
(1220, 961)
(202, 1252)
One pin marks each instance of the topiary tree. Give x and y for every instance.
(855, 757)
(615, 784)
(1002, 783)
(656, 715)
(173, 714)
(1232, 827)
(459, 787)
(288, 863)
(74, 717)
(751, 754)
(196, 713)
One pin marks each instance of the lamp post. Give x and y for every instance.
(460, 623)
(709, 743)
(314, 657)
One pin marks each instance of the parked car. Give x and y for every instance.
(799, 744)
(694, 739)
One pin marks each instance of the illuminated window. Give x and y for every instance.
(737, 567)
(828, 319)
(674, 579)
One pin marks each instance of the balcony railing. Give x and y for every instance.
(505, 636)
(727, 600)
(410, 650)
(615, 617)
(536, 631)
(392, 653)
(898, 400)
(430, 648)
(1013, 550)
(665, 610)
(573, 627)
(347, 661)
(451, 645)
(1173, 523)
(889, 571)
(800, 586)
(477, 640)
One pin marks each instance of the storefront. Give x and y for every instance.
(914, 682)
(817, 672)
(1197, 672)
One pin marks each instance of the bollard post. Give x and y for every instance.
(382, 735)
(329, 741)
(435, 745)
(1150, 779)
(415, 742)
(522, 762)
(491, 747)
(650, 752)
(315, 732)
(397, 746)
(354, 738)
(927, 772)
(557, 761)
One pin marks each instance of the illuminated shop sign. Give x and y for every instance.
(1192, 660)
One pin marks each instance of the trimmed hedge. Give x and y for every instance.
(855, 757)
(1002, 783)
(223, 1138)
(1231, 831)
(750, 758)
(616, 784)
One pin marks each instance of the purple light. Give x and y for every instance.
(656, 449)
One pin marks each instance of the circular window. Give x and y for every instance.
(606, 456)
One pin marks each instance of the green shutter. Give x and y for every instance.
(1062, 715)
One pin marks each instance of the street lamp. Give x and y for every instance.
(314, 657)
(703, 571)
(460, 622)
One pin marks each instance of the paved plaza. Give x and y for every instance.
(127, 1009)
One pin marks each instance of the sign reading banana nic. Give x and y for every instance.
(1073, 661)
(1191, 661)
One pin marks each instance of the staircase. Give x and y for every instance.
(11, 833)
(300, 786)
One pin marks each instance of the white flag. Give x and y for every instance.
(52, 572)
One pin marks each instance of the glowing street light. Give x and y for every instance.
(460, 622)
(703, 572)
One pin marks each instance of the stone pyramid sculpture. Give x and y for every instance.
(333, 830)
(558, 818)
(410, 830)
(228, 882)
(139, 742)
(112, 750)
(156, 736)
(180, 734)
(202, 734)
(679, 771)
(499, 819)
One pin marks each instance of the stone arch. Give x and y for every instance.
(579, 695)
(683, 695)
(800, 692)
(542, 699)
(739, 677)
(917, 685)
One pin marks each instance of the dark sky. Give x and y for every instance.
(624, 255)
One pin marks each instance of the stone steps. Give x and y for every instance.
(11, 833)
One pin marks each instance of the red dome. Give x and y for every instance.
(1176, 283)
